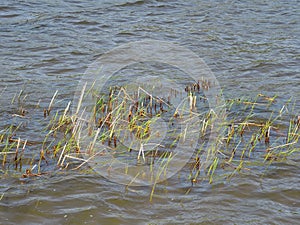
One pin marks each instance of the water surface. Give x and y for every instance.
(252, 47)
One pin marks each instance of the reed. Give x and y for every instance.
(244, 140)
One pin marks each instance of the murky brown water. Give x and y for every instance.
(252, 47)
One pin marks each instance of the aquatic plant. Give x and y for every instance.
(121, 121)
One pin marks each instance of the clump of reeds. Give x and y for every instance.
(244, 140)
(249, 141)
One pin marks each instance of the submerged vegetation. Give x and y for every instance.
(140, 128)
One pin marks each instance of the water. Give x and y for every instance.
(252, 47)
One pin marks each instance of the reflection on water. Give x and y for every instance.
(46, 46)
